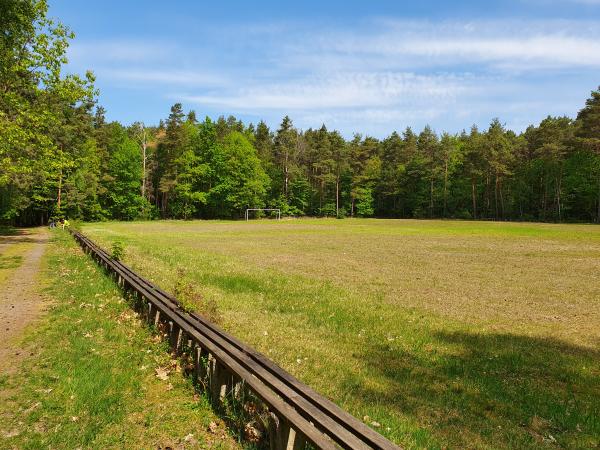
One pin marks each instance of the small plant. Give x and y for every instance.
(191, 300)
(118, 250)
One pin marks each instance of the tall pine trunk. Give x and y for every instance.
(474, 197)
(598, 214)
(445, 188)
(286, 175)
(558, 195)
(487, 195)
(431, 199)
(501, 200)
(144, 169)
(337, 197)
(59, 197)
(496, 197)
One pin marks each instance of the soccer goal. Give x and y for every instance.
(263, 209)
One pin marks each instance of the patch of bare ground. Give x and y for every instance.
(20, 302)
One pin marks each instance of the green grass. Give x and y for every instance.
(90, 379)
(437, 333)
(6, 230)
(11, 257)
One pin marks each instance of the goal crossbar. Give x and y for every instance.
(264, 209)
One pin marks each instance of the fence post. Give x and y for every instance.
(282, 436)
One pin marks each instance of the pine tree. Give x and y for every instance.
(588, 134)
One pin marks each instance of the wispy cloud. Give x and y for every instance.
(382, 73)
(165, 77)
(508, 44)
(340, 90)
(119, 51)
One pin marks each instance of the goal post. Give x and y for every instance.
(263, 209)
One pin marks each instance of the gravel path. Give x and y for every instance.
(20, 302)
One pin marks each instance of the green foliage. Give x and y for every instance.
(240, 181)
(118, 250)
(40, 109)
(122, 179)
(364, 202)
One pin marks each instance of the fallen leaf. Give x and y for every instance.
(190, 439)
(162, 374)
(251, 433)
(32, 407)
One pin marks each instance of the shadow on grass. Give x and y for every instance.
(9, 235)
(493, 390)
(10, 262)
(8, 231)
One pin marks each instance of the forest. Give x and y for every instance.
(59, 157)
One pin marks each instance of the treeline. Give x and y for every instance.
(59, 157)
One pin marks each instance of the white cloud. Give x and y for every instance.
(585, 2)
(529, 46)
(383, 74)
(339, 90)
(530, 51)
(174, 77)
(118, 51)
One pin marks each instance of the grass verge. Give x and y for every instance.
(91, 379)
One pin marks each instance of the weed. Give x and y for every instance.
(191, 299)
(118, 250)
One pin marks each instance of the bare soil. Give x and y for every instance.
(20, 302)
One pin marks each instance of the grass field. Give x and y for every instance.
(437, 333)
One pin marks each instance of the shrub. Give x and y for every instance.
(118, 250)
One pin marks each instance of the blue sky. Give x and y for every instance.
(358, 66)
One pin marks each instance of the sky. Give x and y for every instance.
(370, 67)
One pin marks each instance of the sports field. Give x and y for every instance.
(436, 333)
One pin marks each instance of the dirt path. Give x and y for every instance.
(20, 303)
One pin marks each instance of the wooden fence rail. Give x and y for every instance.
(299, 414)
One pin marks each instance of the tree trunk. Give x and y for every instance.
(431, 199)
(59, 198)
(496, 198)
(501, 200)
(144, 168)
(558, 196)
(445, 188)
(474, 197)
(545, 201)
(337, 197)
(487, 195)
(598, 215)
(285, 174)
